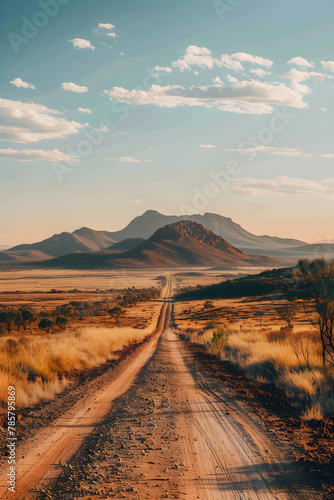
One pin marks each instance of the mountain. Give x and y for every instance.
(100, 238)
(145, 225)
(22, 256)
(124, 245)
(81, 240)
(185, 243)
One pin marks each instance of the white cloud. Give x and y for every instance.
(280, 152)
(196, 73)
(328, 65)
(201, 57)
(300, 61)
(85, 110)
(231, 79)
(74, 88)
(18, 82)
(207, 146)
(81, 43)
(106, 26)
(241, 97)
(260, 72)
(137, 201)
(283, 186)
(162, 68)
(25, 122)
(226, 61)
(302, 76)
(128, 159)
(217, 80)
(261, 61)
(113, 35)
(36, 154)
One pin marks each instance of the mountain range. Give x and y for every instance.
(184, 243)
(90, 241)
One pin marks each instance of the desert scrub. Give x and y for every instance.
(39, 367)
(213, 338)
(291, 361)
(218, 341)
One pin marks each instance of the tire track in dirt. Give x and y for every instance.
(234, 457)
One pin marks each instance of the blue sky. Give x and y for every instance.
(110, 108)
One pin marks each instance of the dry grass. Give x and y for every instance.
(48, 360)
(292, 361)
(314, 412)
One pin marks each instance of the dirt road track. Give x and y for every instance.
(232, 455)
(37, 459)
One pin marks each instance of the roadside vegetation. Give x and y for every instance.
(40, 350)
(23, 319)
(41, 366)
(301, 362)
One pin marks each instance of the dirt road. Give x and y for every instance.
(162, 429)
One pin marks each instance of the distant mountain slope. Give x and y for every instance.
(185, 243)
(145, 225)
(124, 245)
(22, 256)
(101, 238)
(314, 249)
(82, 240)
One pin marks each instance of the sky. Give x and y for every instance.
(111, 108)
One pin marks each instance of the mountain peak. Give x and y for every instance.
(185, 229)
(152, 212)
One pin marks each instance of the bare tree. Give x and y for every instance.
(287, 312)
(318, 276)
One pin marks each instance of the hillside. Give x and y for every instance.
(184, 243)
(82, 240)
(275, 283)
(124, 245)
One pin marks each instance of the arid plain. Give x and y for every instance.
(142, 393)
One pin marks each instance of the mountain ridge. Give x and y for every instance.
(184, 243)
(89, 240)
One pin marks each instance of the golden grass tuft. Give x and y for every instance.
(314, 412)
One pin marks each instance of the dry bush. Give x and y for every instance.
(293, 362)
(37, 368)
